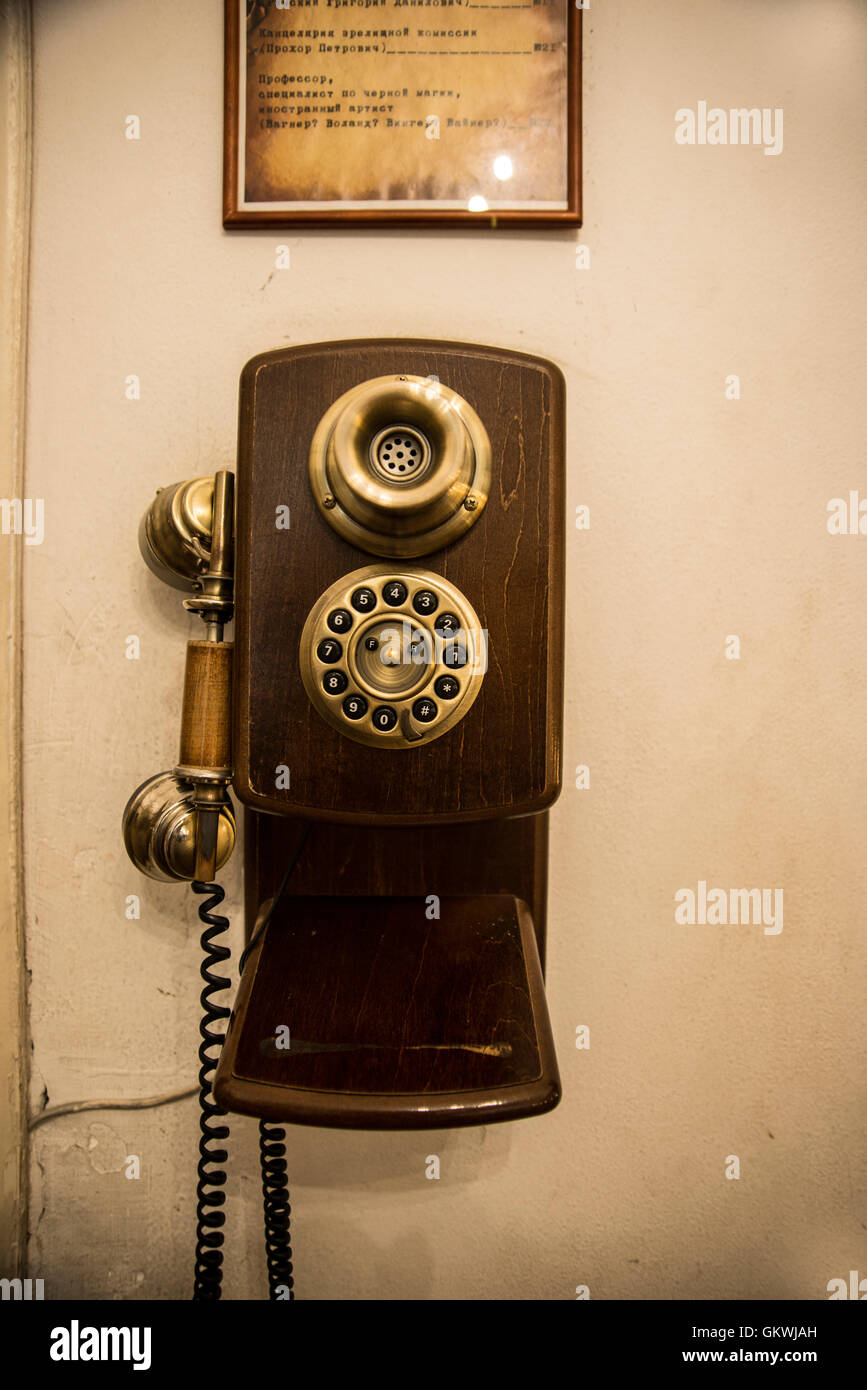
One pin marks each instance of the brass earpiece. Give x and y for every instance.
(175, 532)
(400, 466)
(180, 824)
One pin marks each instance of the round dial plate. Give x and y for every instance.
(407, 680)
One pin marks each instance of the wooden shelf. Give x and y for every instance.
(395, 1021)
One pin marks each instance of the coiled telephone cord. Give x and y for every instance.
(210, 1218)
(275, 1191)
(272, 1151)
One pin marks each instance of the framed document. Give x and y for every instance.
(411, 112)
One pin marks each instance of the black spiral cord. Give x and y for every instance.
(210, 1218)
(275, 1191)
(272, 1151)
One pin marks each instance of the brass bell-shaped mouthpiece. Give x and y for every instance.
(160, 829)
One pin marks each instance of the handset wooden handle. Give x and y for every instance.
(206, 720)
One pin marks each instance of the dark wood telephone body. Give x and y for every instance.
(401, 959)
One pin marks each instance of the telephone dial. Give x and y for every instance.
(390, 718)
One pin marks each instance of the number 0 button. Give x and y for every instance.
(384, 718)
(340, 620)
(354, 706)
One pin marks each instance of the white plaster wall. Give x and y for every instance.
(708, 519)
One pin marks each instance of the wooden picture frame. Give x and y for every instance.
(473, 117)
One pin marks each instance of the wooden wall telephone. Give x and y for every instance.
(395, 707)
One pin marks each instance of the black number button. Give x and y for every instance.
(424, 710)
(454, 655)
(363, 600)
(334, 683)
(340, 620)
(447, 687)
(447, 624)
(354, 706)
(394, 593)
(425, 601)
(329, 650)
(384, 718)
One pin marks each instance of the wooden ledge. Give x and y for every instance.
(393, 1021)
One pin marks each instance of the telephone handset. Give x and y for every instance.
(180, 824)
(396, 685)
